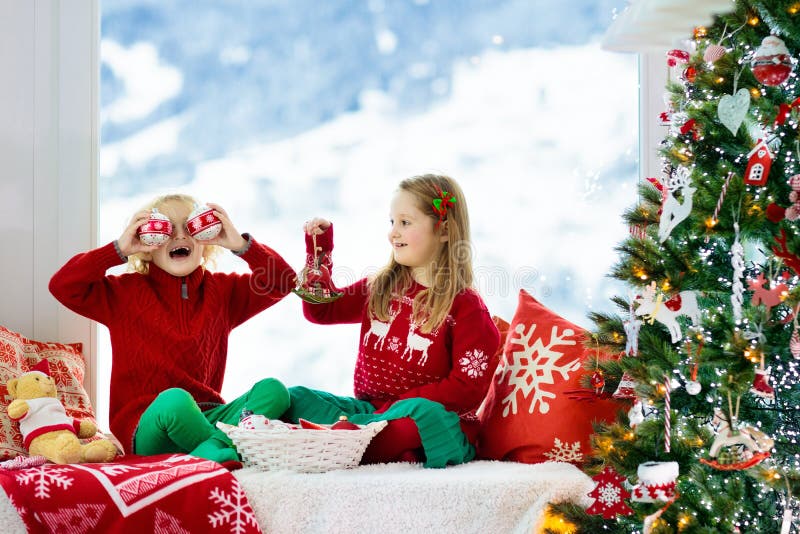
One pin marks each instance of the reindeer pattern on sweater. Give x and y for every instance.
(452, 365)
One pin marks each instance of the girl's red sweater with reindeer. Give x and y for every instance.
(452, 365)
(167, 331)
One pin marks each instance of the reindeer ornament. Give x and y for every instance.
(653, 306)
(672, 211)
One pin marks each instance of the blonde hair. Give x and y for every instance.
(140, 262)
(452, 272)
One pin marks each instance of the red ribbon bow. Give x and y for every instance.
(784, 110)
(440, 205)
(690, 126)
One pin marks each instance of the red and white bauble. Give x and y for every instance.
(771, 62)
(203, 224)
(254, 422)
(157, 230)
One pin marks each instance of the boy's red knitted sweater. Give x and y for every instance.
(160, 340)
(452, 365)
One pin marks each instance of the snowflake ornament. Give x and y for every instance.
(564, 452)
(609, 495)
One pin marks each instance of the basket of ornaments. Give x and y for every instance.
(306, 447)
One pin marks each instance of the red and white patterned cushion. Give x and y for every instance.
(536, 409)
(18, 355)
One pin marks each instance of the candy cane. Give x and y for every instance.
(737, 262)
(667, 423)
(715, 217)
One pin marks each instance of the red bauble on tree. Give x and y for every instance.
(609, 495)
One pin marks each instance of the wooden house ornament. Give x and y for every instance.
(759, 160)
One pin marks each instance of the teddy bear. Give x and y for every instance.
(46, 428)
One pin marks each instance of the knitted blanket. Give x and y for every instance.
(164, 493)
(477, 497)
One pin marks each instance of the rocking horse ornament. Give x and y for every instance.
(736, 446)
(314, 283)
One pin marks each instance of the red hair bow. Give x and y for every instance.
(440, 205)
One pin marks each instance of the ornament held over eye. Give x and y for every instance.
(203, 224)
(156, 231)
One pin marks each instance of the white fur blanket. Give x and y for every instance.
(478, 497)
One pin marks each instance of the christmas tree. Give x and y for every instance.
(708, 338)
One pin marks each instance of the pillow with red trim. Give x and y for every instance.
(536, 409)
(18, 355)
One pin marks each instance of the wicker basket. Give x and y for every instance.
(277, 447)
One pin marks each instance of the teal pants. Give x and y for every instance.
(439, 429)
(175, 423)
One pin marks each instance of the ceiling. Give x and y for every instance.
(657, 25)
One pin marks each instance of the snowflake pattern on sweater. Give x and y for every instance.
(451, 365)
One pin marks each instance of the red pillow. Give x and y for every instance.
(18, 355)
(534, 411)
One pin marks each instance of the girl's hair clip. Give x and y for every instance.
(440, 205)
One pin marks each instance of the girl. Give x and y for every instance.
(427, 340)
(169, 322)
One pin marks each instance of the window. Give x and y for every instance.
(280, 111)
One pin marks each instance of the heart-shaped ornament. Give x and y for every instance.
(733, 108)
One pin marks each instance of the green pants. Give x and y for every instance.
(175, 423)
(439, 429)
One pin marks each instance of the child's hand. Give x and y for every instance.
(228, 237)
(129, 242)
(316, 226)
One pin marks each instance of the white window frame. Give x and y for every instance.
(50, 142)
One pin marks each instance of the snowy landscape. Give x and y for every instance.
(540, 133)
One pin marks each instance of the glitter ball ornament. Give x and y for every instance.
(203, 224)
(693, 387)
(157, 230)
(598, 381)
(771, 63)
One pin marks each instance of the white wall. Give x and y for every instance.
(48, 153)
